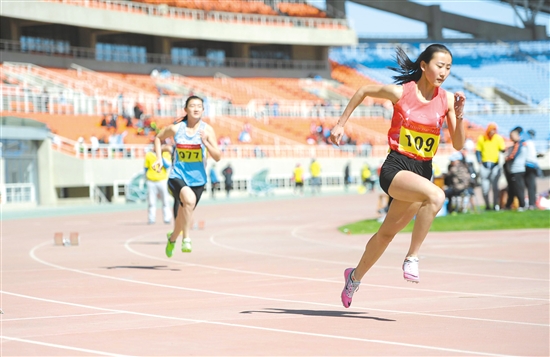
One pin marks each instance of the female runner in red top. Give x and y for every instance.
(420, 108)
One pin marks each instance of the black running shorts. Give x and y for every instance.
(175, 185)
(396, 162)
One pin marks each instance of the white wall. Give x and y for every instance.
(74, 172)
(108, 20)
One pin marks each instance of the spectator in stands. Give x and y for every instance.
(275, 107)
(138, 111)
(193, 138)
(120, 103)
(488, 149)
(326, 136)
(298, 178)
(311, 139)
(222, 142)
(79, 145)
(313, 127)
(104, 121)
(157, 184)
(112, 122)
(228, 176)
(515, 167)
(214, 181)
(315, 172)
(245, 134)
(420, 109)
(94, 144)
(532, 169)
(128, 119)
(46, 100)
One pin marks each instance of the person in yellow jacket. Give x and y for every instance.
(488, 149)
(298, 178)
(315, 171)
(366, 175)
(157, 184)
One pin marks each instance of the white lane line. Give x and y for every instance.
(33, 256)
(214, 242)
(63, 347)
(491, 260)
(58, 317)
(226, 324)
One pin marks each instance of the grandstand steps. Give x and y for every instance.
(262, 133)
(286, 130)
(327, 90)
(38, 77)
(354, 80)
(239, 92)
(282, 88)
(368, 130)
(256, 92)
(116, 83)
(196, 86)
(75, 126)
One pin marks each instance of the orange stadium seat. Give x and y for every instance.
(300, 10)
(282, 88)
(353, 79)
(20, 106)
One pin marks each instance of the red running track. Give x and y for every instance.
(264, 278)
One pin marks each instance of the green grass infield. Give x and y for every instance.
(483, 221)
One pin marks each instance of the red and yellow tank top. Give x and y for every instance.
(416, 126)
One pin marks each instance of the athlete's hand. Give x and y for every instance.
(204, 136)
(460, 100)
(336, 134)
(157, 166)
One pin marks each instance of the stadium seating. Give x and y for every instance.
(527, 85)
(282, 109)
(300, 10)
(511, 71)
(247, 7)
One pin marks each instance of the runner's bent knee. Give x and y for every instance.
(436, 197)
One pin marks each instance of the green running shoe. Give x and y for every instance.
(186, 245)
(169, 245)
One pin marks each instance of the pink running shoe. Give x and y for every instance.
(410, 270)
(350, 287)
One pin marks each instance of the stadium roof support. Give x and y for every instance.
(527, 11)
(436, 20)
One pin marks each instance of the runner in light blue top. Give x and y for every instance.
(194, 139)
(190, 158)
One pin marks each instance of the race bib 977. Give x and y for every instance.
(189, 153)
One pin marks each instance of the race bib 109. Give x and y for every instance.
(189, 153)
(422, 145)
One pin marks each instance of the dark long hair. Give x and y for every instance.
(409, 70)
(184, 118)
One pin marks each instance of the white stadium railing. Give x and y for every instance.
(201, 15)
(106, 151)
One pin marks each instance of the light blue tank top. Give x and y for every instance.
(190, 156)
